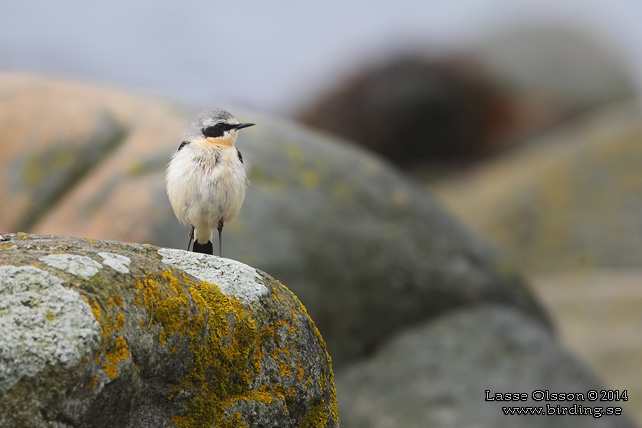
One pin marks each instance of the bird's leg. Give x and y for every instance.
(191, 237)
(220, 239)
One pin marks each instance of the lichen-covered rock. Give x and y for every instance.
(437, 375)
(366, 251)
(107, 334)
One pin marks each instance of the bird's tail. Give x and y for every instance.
(206, 248)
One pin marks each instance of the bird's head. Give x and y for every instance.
(216, 126)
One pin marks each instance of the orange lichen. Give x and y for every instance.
(284, 368)
(94, 382)
(109, 324)
(300, 372)
(119, 301)
(119, 352)
(119, 322)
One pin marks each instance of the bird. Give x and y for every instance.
(205, 179)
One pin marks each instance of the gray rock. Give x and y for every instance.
(436, 375)
(108, 334)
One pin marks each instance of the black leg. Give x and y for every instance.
(220, 239)
(191, 237)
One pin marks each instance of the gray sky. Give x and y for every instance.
(268, 54)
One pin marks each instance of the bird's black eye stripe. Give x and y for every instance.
(213, 131)
(217, 130)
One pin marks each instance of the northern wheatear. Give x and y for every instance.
(205, 179)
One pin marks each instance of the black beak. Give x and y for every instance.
(243, 125)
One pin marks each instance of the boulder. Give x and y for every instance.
(366, 250)
(416, 108)
(567, 206)
(570, 200)
(105, 334)
(446, 373)
(597, 313)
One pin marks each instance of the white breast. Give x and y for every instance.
(206, 184)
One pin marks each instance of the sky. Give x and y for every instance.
(271, 55)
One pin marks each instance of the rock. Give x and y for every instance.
(597, 314)
(57, 135)
(43, 154)
(106, 334)
(367, 251)
(566, 207)
(568, 201)
(554, 72)
(435, 114)
(414, 109)
(437, 375)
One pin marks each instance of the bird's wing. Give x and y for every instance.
(240, 155)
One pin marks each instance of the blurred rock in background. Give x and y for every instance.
(568, 207)
(427, 113)
(397, 287)
(532, 138)
(554, 72)
(570, 200)
(411, 109)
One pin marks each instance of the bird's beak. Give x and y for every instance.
(243, 125)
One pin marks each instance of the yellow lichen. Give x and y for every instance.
(235, 420)
(119, 301)
(227, 348)
(222, 365)
(119, 322)
(310, 179)
(113, 350)
(95, 309)
(300, 372)
(285, 370)
(119, 352)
